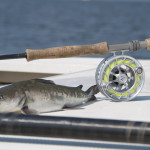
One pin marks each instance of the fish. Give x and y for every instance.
(40, 96)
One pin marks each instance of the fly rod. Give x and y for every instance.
(102, 48)
(76, 128)
(118, 77)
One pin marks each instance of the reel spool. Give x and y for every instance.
(120, 77)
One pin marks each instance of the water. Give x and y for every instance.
(39, 24)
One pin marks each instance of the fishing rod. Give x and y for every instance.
(102, 48)
(119, 77)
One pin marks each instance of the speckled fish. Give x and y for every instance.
(39, 96)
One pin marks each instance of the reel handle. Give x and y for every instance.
(68, 51)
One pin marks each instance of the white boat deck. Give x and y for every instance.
(83, 72)
(137, 109)
(19, 69)
(55, 66)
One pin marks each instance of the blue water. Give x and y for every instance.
(39, 24)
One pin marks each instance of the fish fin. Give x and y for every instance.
(17, 112)
(93, 98)
(80, 86)
(93, 90)
(29, 97)
(26, 110)
(45, 81)
(91, 101)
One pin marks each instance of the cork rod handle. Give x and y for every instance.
(68, 51)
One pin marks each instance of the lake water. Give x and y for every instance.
(39, 24)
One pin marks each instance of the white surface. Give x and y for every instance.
(138, 109)
(56, 66)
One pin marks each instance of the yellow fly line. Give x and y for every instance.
(111, 66)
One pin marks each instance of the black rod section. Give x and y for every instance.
(13, 56)
(76, 128)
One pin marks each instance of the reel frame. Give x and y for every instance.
(120, 77)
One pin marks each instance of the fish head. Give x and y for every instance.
(10, 102)
(9, 93)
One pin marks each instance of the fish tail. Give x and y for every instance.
(92, 90)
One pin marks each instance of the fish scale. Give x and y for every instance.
(39, 96)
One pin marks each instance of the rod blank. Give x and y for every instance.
(13, 56)
(77, 128)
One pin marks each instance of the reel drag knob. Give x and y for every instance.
(120, 78)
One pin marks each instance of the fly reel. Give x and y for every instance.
(120, 77)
